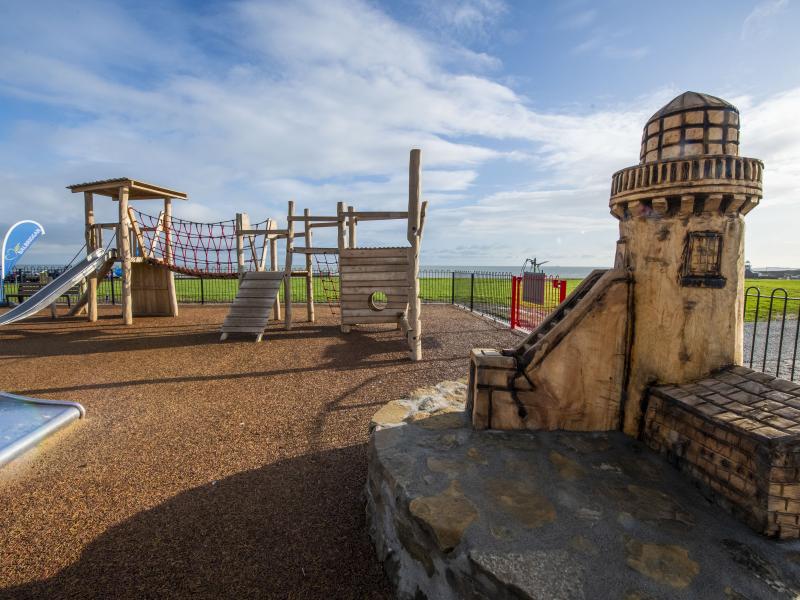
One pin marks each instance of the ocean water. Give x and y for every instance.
(555, 270)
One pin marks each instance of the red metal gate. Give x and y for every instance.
(533, 297)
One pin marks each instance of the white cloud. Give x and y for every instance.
(320, 101)
(466, 19)
(757, 23)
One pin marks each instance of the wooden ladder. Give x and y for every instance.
(249, 313)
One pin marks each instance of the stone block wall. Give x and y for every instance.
(740, 439)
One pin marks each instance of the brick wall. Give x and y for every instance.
(751, 476)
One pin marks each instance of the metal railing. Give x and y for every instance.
(772, 332)
(771, 318)
(533, 297)
(485, 292)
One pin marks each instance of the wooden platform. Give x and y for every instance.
(250, 311)
(365, 271)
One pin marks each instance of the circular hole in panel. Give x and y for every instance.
(378, 300)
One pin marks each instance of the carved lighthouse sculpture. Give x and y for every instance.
(670, 310)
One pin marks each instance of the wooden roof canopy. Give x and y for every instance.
(137, 190)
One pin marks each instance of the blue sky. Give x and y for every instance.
(522, 110)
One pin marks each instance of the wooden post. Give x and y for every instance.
(273, 266)
(287, 277)
(309, 268)
(342, 244)
(414, 333)
(124, 242)
(351, 227)
(91, 246)
(240, 245)
(168, 257)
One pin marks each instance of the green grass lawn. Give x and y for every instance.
(484, 291)
(771, 289)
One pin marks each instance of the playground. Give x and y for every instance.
(224, 451)
(207, 468)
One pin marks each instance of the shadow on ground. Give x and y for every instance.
(251, 535)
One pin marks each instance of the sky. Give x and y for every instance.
(523, 110)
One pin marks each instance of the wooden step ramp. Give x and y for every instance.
(525, 349)
(249, 313)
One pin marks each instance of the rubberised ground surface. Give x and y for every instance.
(206, 469)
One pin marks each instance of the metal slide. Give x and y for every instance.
(24, 422)
(53, 290)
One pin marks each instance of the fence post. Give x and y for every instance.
(453, 287)
(202, 292)
(471, 291)
(514, 300)
(111, 283)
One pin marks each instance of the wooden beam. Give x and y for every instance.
(378, 216)
(314, 219)
(341, 244)
(166, 225)
(91, 246)
(273, 266)
(317, 250)
(331, 224)
(414, 334)
(351, 227)
(262, 261)
(134, 224)
(309, 270)
(287, 280)
(240, 245)
(124, 242)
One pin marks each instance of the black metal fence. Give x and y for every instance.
(771, 319)
(484, 292)
(772, 332)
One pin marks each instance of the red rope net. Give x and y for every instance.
(198, 249)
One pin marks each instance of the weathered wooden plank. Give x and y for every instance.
(261, 284)
(367, 312)
(348, 277)
(390, 268)
(276, 275)
(369, 320)
(374, 260)
(245, 321)
(395, 301)
(254, 301)
(249, 312)
(360, 289)
(375, 285)
(256, 292)
(400, 252)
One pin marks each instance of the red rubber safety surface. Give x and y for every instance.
(207, 469)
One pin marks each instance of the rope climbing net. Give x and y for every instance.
(192, 248)
(327, 266)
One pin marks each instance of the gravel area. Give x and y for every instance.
(767, 342)
(207, 469)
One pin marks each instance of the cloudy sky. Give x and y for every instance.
(523, 111)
